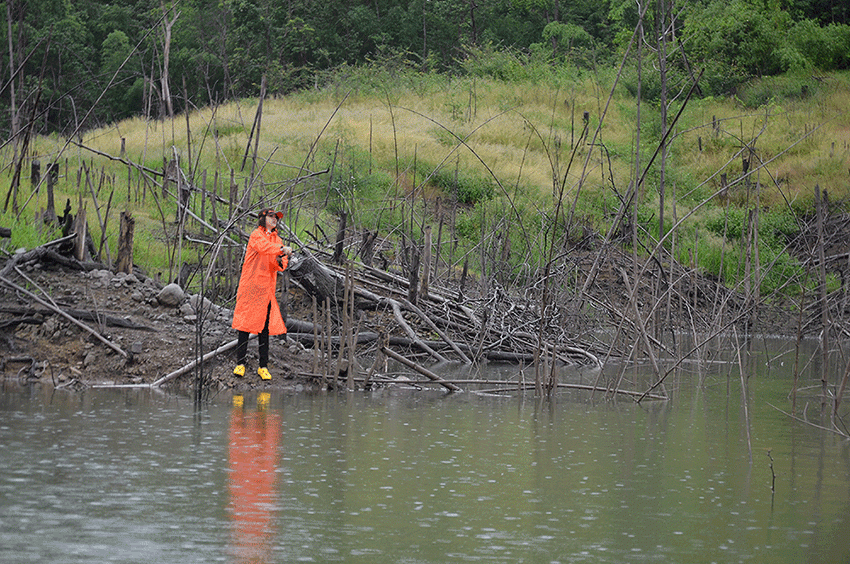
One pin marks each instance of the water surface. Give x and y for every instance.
(422, 476)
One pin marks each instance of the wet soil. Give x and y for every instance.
(38, 344)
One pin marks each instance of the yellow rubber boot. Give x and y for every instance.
(239, 370)
(264, 373)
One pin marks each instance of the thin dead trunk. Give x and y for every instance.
(820, 205)
(167, 25)
(13, 108)
(125, 243)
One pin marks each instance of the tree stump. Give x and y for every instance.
(125, 243)
(35, 172)
(52, 177)
(413, 275)
(340, 239)
(80, 229)
(426, 263)
(368, 248)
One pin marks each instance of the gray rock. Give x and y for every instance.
(91, 358)
(171, 295)
(50, 326)
(195, 299)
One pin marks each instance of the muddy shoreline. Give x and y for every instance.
(159, 334)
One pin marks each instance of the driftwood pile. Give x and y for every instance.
(436, 325)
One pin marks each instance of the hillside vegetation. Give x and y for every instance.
(512, 174)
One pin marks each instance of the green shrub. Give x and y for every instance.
(468, 225)
(777, 268)
(467, 188)
(761, 92)
(824, 48)
(721, 78)
(776, 228)
(506, 64)
(650, 81)
(371, 203)
(728, 223)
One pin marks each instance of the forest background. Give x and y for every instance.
(220, 50)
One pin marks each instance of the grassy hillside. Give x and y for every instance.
(500, 169)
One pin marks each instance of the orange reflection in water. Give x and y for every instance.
(254, 439)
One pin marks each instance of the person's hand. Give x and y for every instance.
(286, 250)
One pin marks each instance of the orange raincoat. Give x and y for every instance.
(257, 284)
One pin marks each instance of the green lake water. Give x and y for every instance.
(399, 475)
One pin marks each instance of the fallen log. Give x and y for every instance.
(437, 330)
(424, 371)
(393, 284)
(412, 334)
(430, 296)
(300, 326)
(326, 284)
(45, 253)
(183, 370)
(585, 387)
(23, 258)
(365, 338)
(12, 323)
(129, 163)
(566, 349)
(317, 279)
(108, 320)
(456, 324)
(508, 386)
(82, 315)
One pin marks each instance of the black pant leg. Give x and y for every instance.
(241, 347)
(263, 338)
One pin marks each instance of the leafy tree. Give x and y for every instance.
(566, 36)
(821, 47)
(746, 38)
(114, 50)
(739, 34)
(824, 12)
(513, 23)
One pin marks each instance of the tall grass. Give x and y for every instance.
(26, 233)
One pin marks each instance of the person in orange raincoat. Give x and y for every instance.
(256, 305)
